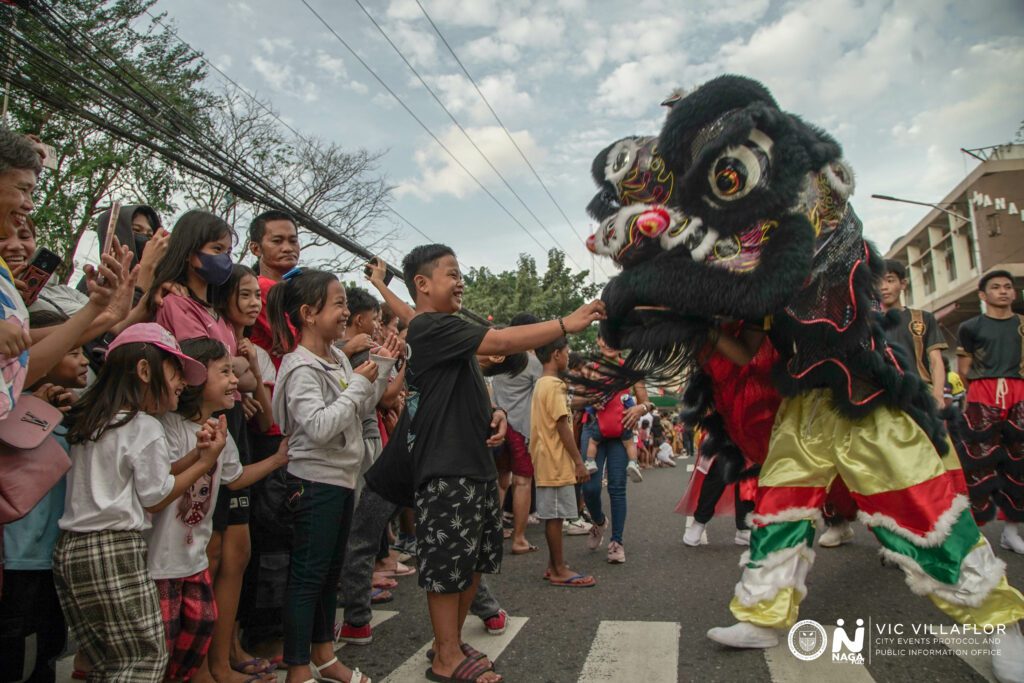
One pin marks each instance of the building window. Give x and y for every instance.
(992, 223)
(908, 294)
(928, 274)
(970, 251)
(950, 263)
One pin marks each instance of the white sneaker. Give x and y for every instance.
(1011, 540)
(576, 527)
(742, 537)
(836, 535)
(693, 534)
(633, 470)
(745, 635)
(1008, 664)
(591, 466)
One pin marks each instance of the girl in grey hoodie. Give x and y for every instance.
(319, 402)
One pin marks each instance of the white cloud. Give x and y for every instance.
(281, 77)
(490, 49)
(276, 74)
(420, 46)
(440, 175)
(735, 11)
(634, 89)
(457, 12)
(501, 90)
(331, 65)
(272, 45)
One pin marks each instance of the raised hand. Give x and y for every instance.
(582, 317)
(378, 270)
(392, 347)
(369, 370)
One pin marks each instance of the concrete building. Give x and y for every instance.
(977, 227)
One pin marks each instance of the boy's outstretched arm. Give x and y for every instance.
(378, 269)
(528, 337)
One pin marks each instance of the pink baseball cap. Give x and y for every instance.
(158, 336)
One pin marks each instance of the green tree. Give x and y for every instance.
(94, 167)
(556, 293)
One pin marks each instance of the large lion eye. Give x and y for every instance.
(621, 159)
(740, 169)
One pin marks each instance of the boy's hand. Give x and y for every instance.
(378, 270)
(582, 475)
(280, 456)
(582, 317)
(368, 370)
(55, 395)
(358, 344)
(499, 428)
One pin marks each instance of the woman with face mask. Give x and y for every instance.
(198, 260)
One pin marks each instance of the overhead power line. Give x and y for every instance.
(117, 98)
(258, 102)
(508, 133)
(468, 137)
(424, 126)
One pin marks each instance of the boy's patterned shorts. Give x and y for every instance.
(458, 532)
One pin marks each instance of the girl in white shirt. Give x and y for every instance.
(120, 473)
(178, 539)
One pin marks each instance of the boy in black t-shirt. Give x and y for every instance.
(458, 523)
(992, 365)
(915, 331)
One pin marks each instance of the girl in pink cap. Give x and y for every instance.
(121, 470)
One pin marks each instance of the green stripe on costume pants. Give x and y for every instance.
(771, 538)
(941, 562)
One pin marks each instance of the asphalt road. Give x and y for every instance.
(573, 634)
(646, 619)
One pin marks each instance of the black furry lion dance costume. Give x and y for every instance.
(738, 212)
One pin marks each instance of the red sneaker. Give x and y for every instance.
(356, 635)
(496, 625)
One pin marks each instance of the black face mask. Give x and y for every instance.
(140, 244)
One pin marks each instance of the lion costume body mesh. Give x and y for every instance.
(739, 211)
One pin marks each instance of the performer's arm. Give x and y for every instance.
(740, 350)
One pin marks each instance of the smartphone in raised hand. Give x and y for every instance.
(388, 275)
(37, 273)
(108, 239)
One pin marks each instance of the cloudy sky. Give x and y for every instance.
(902, 85)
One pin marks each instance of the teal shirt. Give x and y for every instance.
(29, 542)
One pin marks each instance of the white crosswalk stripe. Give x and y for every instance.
(633, 651)
(474, 633)
(379, 617)
(786, 668)
(963, 646)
